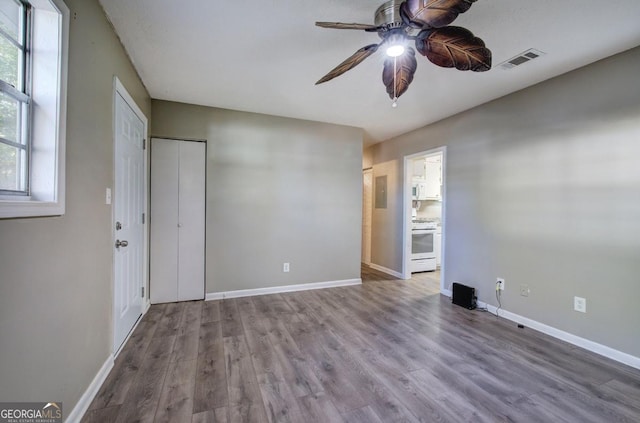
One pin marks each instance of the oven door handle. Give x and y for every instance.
(423, 231)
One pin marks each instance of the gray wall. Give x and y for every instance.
(55, 287)
(543, 188)
(278, 190)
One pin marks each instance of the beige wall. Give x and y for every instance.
(278, 190)
(367, 158)
(543, 189)
(55, 288)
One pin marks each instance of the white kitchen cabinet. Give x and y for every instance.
(433, 180)
(177, 220)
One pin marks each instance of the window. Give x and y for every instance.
(33, 58)
(14, 97)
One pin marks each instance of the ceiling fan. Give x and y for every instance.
(425, 22)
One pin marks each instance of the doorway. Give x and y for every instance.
(129, 209)
(424, 207)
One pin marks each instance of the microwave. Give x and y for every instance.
(419, 191)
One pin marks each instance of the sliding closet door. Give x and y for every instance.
(163, 245)
(177, 223)
(191, 198)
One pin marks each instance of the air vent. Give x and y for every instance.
(524, 57)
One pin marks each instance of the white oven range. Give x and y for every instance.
(423, 253)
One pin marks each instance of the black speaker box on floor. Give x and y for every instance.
(464, 296)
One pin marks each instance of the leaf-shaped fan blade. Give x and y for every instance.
(405, 67)
(340, 25)
(353, 61)
(433, 13)
(453, 46)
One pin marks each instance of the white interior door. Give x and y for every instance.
(129, 198)
(177, 220)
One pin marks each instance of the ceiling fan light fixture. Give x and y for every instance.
(395, 50)
(426, 25)
(396, 45)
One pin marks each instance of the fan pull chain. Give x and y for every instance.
(395, 73)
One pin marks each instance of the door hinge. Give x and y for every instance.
(143, 292)
(144, 144)
(143, 218)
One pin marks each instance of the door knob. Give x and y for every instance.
(121, 243)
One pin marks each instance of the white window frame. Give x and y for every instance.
(47, 129)
(20, 94)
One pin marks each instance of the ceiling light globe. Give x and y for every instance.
(395, 50)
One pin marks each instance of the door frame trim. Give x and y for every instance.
(119, 89)
(406, 215)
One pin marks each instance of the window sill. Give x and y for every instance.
(30, 208)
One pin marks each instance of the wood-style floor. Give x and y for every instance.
(384, 351)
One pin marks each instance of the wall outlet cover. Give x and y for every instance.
(580, 304)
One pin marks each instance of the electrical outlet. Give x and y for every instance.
(580, 304)
(285, 267)
(500, 284)
(524, 290)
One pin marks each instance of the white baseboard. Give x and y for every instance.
(587, 344)
(386, 270)
(85, 400)
(280, 289)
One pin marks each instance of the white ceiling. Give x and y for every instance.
(265, 56)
